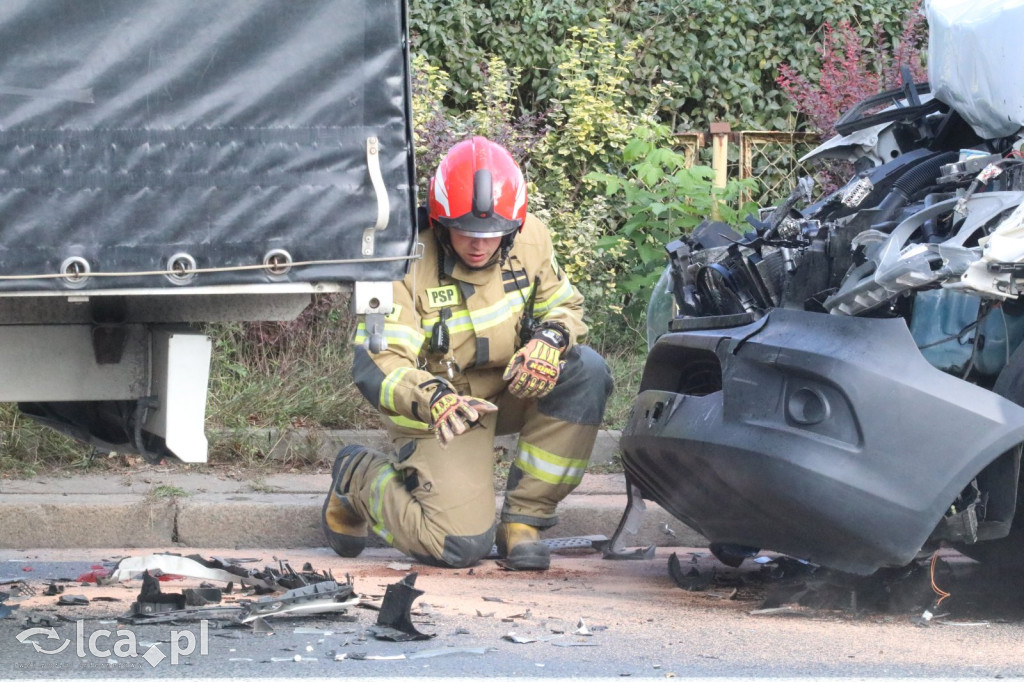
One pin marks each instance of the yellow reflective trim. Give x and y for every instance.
(387, 387)
(409, 423)
(458, 322)
(499, 312)
(387, 474)
(549, 467)
(562, 294)
(395, 335)
(504, 310)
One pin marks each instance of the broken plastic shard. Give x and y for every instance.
(261, 626)
(395, 609)
(434, 653)
(396, 566)
(73, 600)
(202, 596)
(323, 597)
(691, 580)
(629, 523)
(772, 611)
(513, 637)
(195, 566)
(581, 629)
(152, 600)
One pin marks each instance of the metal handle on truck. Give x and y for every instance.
(383, 206)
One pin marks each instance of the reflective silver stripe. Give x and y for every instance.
(549, 467)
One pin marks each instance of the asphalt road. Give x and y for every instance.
(590, 618)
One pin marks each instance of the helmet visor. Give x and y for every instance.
(481, 228)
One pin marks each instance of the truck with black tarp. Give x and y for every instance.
(165, 163)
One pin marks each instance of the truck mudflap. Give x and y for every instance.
(825, 437)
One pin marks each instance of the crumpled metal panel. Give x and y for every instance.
(133, 130)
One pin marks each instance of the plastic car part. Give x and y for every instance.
(395, 612)
(830, 439)
(629, 523)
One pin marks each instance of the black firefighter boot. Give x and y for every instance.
(344, 529)
(520, 546)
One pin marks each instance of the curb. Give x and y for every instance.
(169, 507)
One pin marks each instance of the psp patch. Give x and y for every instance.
(443, 297)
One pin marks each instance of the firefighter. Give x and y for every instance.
(485, 339)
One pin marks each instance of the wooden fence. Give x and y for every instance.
(770, 157)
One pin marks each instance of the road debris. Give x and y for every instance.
(322, 597)
(772, 611)
(397, 566)
(452, 651)
(692, 580)
(394, 620)
(221, 570)
(96, 573)
(73, 600)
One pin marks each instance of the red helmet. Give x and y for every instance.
(478, 190)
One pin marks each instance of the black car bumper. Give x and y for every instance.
(824, 437)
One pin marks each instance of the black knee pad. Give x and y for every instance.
(461, 551)
(582, 390)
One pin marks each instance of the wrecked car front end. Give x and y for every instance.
(825, 437)
(843, 383)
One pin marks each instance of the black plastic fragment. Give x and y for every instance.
(202, 596)
(692, 580)
(732, 555)
(152, 600)
(395, 612)
(73, 600)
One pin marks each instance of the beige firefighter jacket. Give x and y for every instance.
(483, 311)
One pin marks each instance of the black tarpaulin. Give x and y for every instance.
(134, 130)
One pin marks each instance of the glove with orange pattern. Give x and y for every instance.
(533, 371)
(452, 414)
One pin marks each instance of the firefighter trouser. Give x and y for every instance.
(437, 504)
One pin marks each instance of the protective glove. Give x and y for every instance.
(452, 414)
(533, 370)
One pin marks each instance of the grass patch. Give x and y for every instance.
(168, 491)
(267, 381)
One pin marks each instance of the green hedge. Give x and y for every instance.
(720, 56)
